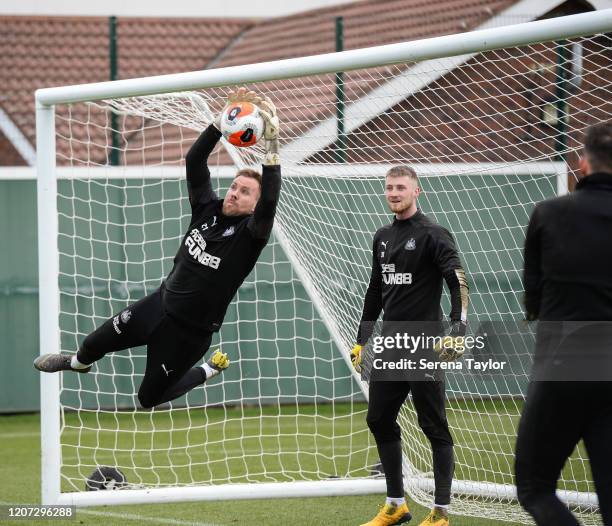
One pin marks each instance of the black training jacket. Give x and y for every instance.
(568, 254)
(410, 257)
(217, 252)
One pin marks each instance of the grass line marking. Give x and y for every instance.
(144, 518)
(131, 517)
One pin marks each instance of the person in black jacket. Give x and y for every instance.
(568, 288)
(410, 259)
(222, 244)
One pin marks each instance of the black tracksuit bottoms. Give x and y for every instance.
(172, 349)
(556, 416)
(385, 400)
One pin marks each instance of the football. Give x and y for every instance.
(241, 124)
(105, 478)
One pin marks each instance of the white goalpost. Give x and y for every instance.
(490, 120)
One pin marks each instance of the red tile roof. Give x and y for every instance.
(38, 52)
(368, 23)
(75, 50)
(9, 156)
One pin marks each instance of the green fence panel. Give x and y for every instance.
(117, 240)
(19, 385)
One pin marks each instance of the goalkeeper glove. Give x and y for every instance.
(356, 357)
(240, 95)
(268, 113)
(452, 346)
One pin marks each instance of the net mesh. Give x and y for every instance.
(490, 135)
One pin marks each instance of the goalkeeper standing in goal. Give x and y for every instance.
(220, 248)
(410, 259)
(568, 288)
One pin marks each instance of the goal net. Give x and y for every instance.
(490, 133)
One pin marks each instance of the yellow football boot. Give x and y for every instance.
(435, 518)
(391, 514)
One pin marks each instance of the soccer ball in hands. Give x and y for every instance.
(241, 124)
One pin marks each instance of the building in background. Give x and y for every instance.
(38, 52)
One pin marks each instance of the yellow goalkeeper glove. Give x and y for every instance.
(452, 346)
(356, 357)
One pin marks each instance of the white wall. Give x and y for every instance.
(163, 8)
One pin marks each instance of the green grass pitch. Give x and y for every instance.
(20, 469)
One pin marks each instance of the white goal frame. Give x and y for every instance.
(48, 174)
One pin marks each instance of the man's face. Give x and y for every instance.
(241, 197)
(401, 193)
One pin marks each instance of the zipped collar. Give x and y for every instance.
(415, 218)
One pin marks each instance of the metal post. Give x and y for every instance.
(114, 158)
(49, 300)
(114, 68)
(561, 91)
(340, 132)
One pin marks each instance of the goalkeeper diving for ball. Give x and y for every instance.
(410, 259)
(220, 248)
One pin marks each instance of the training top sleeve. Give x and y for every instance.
(372, 304)
(459, 293)
(199, 185)
(532, 277)
(447, 259)
(443, 250)
(260, 223)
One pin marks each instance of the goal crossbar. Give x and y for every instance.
(413, 51)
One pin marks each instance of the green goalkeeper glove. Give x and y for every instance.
(356, 357)
(452, 346)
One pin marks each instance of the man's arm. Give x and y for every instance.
(198, 175)
(532, 276)
(261, 223)
(445, 256)
(372, 303)
(447, 259)
(459, 294)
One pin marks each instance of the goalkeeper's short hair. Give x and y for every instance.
(402, 171)
(252, 174)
